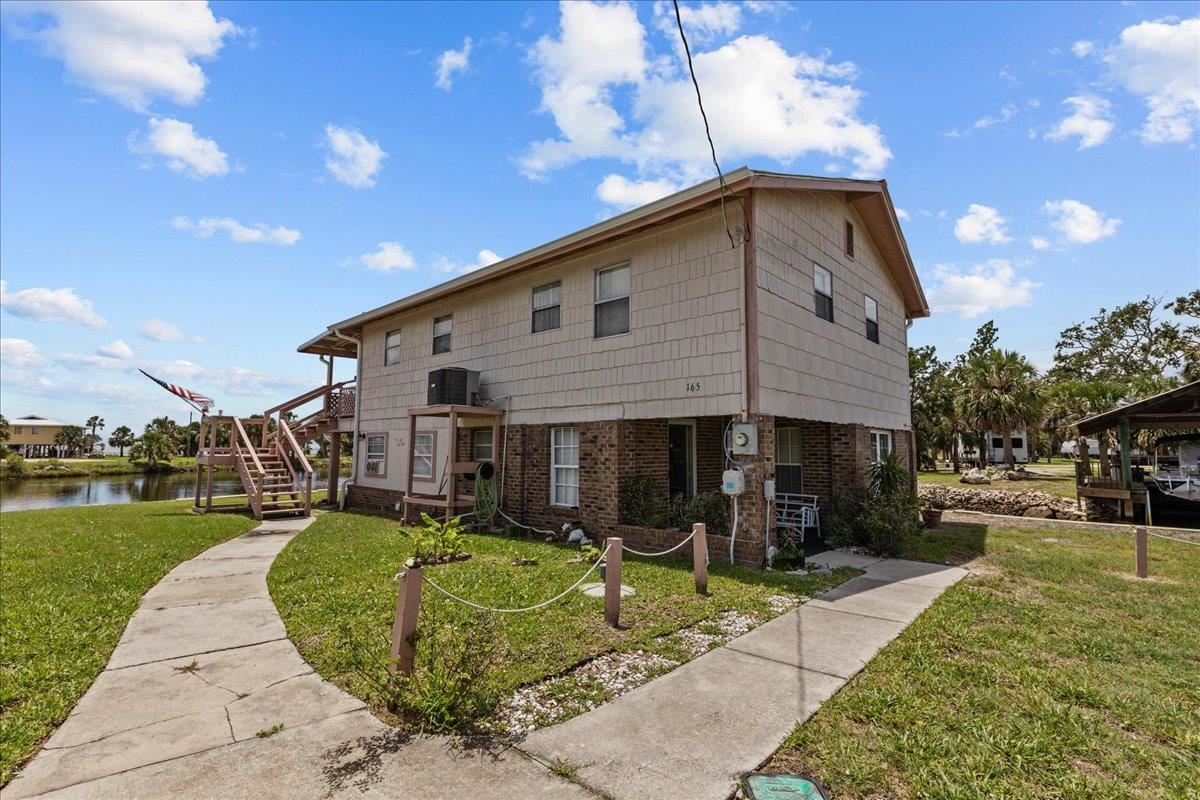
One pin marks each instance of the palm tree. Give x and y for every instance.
(1001, 392)
(5, 431)
(94, 422)
(121, 438)
(70, 437)
(153, 446)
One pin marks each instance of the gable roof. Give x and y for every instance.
(34, 419)
(870, 199)
(1174, 409)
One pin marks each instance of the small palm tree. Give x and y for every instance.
(153, 447)
(1001, 392)
(121, 438)
(70, 437)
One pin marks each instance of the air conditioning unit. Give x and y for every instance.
(453, 386)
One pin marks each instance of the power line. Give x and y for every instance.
(708, 132)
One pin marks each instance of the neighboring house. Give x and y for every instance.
(628, 347)
(33, 436)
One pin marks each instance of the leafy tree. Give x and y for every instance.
(121, 438)
(935, 424)
(5, 430)
(154, 447)
(170, 430)
(71, 437)
(1001, 391)
(1189, 306)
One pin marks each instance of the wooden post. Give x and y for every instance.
(199, 445)
(408, 603)
(335, 465)
(1141, 558)
(612, 583)
(451, 479)
(700, 556)
(496, 451)
(412, 437)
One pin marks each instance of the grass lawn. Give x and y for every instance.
(335, 589)
(1050, 672)
(1050, 478)
(71, 578)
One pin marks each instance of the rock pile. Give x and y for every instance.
(1010, 502)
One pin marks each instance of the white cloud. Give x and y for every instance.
(184, 151)
(702, 23)
(1078, 222)
(978, 289)
(902, 215)
(1159, 61)
(981, 224)
(1090, 120)
(1006, 113)
(157, 330)
(619, 191)
(484, 258)
(19, 353)
(131, 52)
(761, 101)
(50, 305)
(355, 159)
(1083, 48)
(258, 232)
(388, 257)
(115, 349)
(450, 62)
(1039, 242)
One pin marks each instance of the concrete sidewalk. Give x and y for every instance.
(692, 732)
(203, 667)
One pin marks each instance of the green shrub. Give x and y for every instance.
(455, 677)
(883, 524)
(888, 476)
(641, 501)
(711, 508)
(438, 541)
(15, 464)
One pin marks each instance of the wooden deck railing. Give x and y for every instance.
(291, 452)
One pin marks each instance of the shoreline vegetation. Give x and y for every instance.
(110, 466)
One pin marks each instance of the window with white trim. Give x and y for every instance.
(391, 348)
(871, 313)
(823, 292)
(789, 476)
(423, 444)
(881, 445)
(547, 307)
(564, 467)
(613, 286)
(375, 463)
(481, 444)
(443, 330)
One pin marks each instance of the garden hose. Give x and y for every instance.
(485, 492)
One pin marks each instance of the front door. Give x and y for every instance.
(681, 458)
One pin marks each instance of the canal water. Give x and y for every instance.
(25, 494)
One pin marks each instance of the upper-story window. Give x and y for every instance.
(17, 429)
(391, 348)
(849, 239)
(823, 292)
(871, 312)
(443, 330)
(612, 301)
(35, 430)
(547, 306)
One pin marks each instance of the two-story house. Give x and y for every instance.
(628, 347)
(33, 436)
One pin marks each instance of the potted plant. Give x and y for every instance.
(931, 513)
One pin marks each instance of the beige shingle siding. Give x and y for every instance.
(684, 328)
(810, 368)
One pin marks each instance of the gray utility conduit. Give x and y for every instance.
(543, 604)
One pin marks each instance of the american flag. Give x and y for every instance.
(195, 398)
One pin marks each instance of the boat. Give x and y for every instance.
(1173, 484)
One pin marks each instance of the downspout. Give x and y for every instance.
(358, 387)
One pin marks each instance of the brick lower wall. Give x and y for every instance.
(373, 499)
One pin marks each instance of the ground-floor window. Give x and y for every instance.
(481, 444)
(681, 458)
(423, 444)
(376, 461)
(564, 467)
(881, 445)
(789, 476)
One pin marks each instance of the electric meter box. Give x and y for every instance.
(744, 439)
(733, 482)
(769, 489)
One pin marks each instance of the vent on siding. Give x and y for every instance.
(849, 239)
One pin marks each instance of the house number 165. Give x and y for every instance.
(693, 386)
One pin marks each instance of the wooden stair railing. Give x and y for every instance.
(254, 482)
(289, 449)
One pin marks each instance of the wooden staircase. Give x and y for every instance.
(277, 476)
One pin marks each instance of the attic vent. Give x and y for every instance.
(849, 239)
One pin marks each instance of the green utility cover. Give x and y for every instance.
(759, 786)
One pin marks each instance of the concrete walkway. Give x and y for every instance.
(204, 667)
(692, 732)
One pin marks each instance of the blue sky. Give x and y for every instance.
(198, 189)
